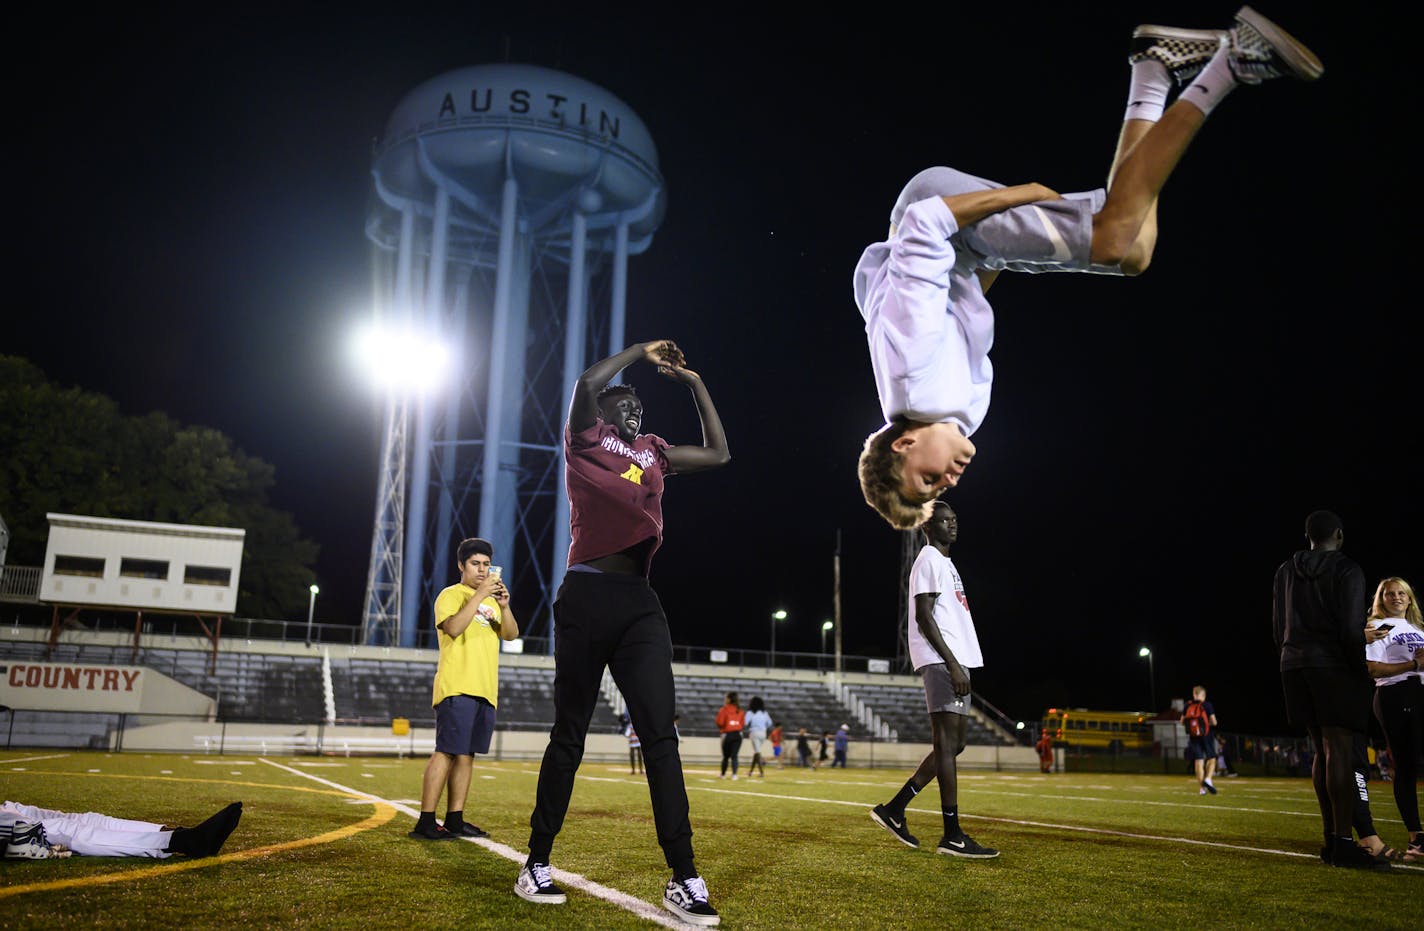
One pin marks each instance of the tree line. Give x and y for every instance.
(73, 451)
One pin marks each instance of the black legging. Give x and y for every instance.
(731, 746)
(1400, 708)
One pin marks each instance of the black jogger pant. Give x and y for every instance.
(613, 620)
(1400, 708)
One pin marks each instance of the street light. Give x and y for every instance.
(311, 610)
(777, 615)
(1151, 680)
(825, 629)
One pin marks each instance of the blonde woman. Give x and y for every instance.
(1395, 660)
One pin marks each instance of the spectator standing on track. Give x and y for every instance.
(1045, 752)
(635, 751)
(471, 618)
(1318, 600)
(803, 748)
(776, 742)
(822, 749)
(1199, 719)
(1394, 660)
(731, 720)
(758, 723)
(842, 744)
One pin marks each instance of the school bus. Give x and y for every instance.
(1080, 727)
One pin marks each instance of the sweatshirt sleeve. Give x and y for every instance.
(1352, 607)
(921, 259)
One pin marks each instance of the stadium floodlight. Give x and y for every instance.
(778, 615)
(1151, 680)
(311, 610)
(826, 628)
(401, 359)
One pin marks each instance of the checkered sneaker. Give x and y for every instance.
(1261, 50)
(1183, 52)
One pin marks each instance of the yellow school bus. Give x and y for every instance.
(1080, 727)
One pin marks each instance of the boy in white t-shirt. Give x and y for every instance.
(943, 648)
(921, 291)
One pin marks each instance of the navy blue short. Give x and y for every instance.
(464, 725)
(1201, 748)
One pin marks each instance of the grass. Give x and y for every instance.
(795, 851)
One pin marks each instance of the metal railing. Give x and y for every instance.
(20, 583)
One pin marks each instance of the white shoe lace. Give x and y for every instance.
(543, 874)
(696, 886)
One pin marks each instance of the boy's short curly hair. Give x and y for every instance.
(880, 476)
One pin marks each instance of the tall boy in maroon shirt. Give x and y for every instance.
(607, 615)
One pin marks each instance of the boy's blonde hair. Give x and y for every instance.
(881, 472)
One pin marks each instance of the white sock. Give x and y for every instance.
(1213, 84)
(1147, 94)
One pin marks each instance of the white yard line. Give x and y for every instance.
(623, 900)
(28, 759)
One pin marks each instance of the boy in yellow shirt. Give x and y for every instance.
(471, 618)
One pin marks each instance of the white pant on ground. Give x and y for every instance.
(94, 835)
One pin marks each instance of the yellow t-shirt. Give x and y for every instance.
(469, 663)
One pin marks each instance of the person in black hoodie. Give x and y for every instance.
(1319, 601)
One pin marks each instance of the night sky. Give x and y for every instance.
(191, 196)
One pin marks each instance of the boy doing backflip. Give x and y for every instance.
(921, 291)
(943, 648)
(607, 616)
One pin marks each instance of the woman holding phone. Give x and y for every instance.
(1395, 660)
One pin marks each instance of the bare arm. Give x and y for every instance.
(583, 408)
(924, 619)
(713, 451)
(976, 205)
(508, 626)
(455, 624)
(1384, 670)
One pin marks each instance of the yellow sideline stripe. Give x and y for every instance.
(383, 814)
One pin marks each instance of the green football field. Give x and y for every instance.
(322, 843)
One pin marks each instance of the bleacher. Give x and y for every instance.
(792, 703)
(902, 707)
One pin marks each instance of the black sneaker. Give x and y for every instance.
(469, 830)
(1183, 52)
(965, 846)
(687, 899)
(881, 816)
(1210, 788)
(536, 884)
(436, 833)
(1351, 855)
(1261, 50)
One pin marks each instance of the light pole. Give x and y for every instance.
(777, 615)
(311, 610)
(1151, 680)
(826, 628)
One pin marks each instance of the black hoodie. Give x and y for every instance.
(1319, 611)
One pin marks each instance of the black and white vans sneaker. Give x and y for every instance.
(536, 884)
(687, 899)
(881, 816)
(1261, 50)
(965, 846)
(1184, 52)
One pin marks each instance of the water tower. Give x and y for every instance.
(507, 199)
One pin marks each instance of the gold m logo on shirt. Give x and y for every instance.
(634, 474)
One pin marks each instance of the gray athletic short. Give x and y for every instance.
(939, 691)
(1048, 236)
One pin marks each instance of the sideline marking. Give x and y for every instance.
(623, 900)
(382, 815)
(26, 759)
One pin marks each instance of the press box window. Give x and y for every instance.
(143, 569)
(207, 575)
(79, 565)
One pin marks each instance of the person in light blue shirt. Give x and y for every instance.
(758, 726)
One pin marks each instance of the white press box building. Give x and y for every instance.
(141, 565)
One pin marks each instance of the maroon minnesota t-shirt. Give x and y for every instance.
(615, 491)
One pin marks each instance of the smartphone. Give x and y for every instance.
(496, 571)
(1384, 627)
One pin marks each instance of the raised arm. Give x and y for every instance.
(583, 408)
(976, 205)
(713, 452)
